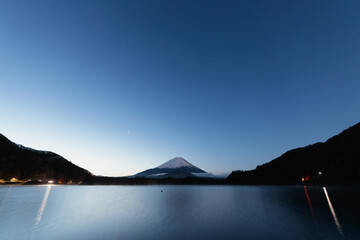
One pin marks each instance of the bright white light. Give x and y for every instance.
(332, 210)
(320, 173)
(50, 181)
(14, 179)
(43, 205)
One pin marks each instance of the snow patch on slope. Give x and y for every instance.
(31, 149)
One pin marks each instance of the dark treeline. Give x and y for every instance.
(152, 181)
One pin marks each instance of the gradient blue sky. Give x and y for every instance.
(121, 86)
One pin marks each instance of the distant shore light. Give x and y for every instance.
(50, 181)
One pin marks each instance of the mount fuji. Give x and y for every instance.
(175, 168)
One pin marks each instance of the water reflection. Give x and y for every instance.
(310, 205)
(309, 202)
(333, 212)
(179, 212)
(43, 205)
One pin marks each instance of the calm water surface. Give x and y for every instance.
(178, 212)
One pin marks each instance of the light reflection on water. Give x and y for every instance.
(43, 205)
(41, 211)
(179, 212)
(333, 212)
(310, 205)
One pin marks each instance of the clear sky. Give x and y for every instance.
(117, 87)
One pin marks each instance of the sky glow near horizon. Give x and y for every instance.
(117, 87)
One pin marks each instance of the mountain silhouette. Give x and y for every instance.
(336, 161)
(175, 168)
(19, 162)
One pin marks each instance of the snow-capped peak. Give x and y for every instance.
(176, 168)
(177, 162)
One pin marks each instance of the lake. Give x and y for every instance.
(178, 212)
